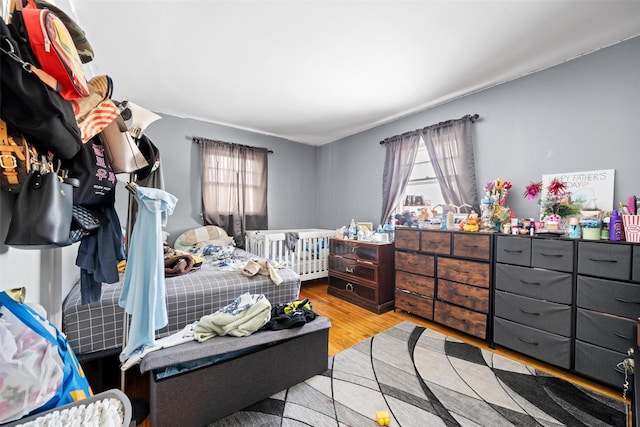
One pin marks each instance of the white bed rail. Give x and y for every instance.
(310, 258)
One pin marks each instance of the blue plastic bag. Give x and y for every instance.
(46, 348)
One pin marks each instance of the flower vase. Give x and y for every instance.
(487, 210)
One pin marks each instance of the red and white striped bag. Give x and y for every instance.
(98, 119)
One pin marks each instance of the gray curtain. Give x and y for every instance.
(234, 187)
(398, 163)
(450, 148)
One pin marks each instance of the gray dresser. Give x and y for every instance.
(607, 308)
(571, 303)
(534, 297)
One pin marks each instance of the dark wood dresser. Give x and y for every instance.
(362, 273)
(445, 276)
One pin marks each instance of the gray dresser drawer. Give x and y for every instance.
(550, 348)
(612, 261)
(513, 250)
(534, 282)
(613, 332)
(635, 273)
(552, 254)
(600, 364)
(545, 315)
(608, 296)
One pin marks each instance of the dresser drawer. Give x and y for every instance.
(407, 239)
(422, 285)
(353, 268)
(438, 242)
(462, 319)
(605, 330)
(552, 254)
(351, 287)
(352, 249)
(535, 282)
(469, 272)
(608, 296)
(600, 364)
(539, 314)
(635, 273)
(415, 304)
(513, 250)
(415, 263)
(612, 261)
(472, 245)
(467, 296)
(545, 346)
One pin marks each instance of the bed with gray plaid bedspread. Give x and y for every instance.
(98, 326)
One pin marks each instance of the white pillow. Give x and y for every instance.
(202, 236)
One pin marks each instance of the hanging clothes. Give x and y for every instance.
(143, 290)
(98, 256)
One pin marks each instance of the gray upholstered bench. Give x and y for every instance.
(255, 368)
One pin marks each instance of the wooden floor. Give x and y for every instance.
(351, 324)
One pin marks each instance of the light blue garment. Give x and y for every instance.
(143, 289)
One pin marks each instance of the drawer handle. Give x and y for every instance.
(552, 255)
(602, 260)
(460, 295)
(529, 312)
(528, 342)
(621, 335)
(519, 251)
(348, 270)
(349, 287)
(626, 300)
(530, 283)
(470, 246)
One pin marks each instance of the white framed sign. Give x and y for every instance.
(594, 188)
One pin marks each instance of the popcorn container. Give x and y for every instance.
(631, 224)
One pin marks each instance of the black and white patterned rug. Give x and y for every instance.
(421, 377)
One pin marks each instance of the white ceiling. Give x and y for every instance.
(317, 71)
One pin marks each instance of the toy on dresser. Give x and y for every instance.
(471, 223)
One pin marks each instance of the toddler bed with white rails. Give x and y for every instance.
(309, 257)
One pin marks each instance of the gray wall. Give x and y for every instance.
(292, 198)
(577, 116)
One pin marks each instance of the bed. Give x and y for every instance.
(309, 258)
(96, 329)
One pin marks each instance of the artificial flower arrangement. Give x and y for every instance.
(557, 202)
(496, 191)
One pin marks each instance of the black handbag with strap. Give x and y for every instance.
(29, 104)
(42, 213)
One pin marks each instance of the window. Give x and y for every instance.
(234, 187)
(223, 176)
(423, 189)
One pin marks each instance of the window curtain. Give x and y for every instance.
(234, 187)
(398, 163)
(450, 148)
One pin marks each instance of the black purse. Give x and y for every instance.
(42, 213)
(84, 223)
(28, 102)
